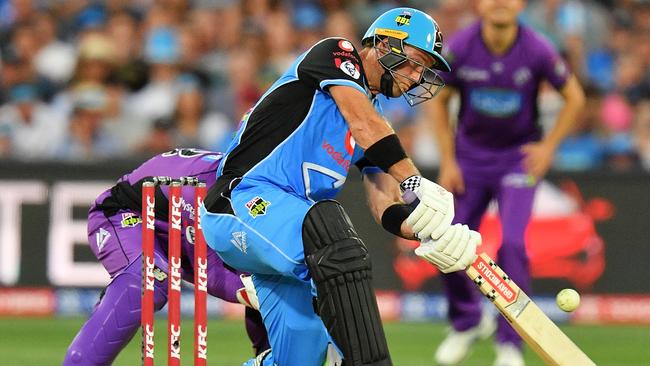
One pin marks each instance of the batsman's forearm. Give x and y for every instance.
(403, 169)
(381, 192)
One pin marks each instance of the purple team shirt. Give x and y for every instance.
(498, 111)
(175, 164)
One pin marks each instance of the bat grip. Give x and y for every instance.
(410, 198)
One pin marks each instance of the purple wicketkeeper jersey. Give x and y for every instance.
(179, 163)
(176, 163)
(499, 92)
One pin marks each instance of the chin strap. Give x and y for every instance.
(386, 84)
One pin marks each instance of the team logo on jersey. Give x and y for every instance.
(348, 67)
(239, 241)
(130, 219)
(521, 76)
(346, 45)
(101, 238)
(257, 206)
(159, 274)
(403, 19)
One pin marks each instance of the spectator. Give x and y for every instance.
(163, 54)
(129, 69)
(55, 60)
(281, 42)
(136, 52)
(193, 126)
(25, 46)
(341, 24)
(642, 133)
(160, 138)
(616, 114)
(308, 20)
(12, 72)
(87, 139)
(29, 129)
(583, 149)
(243, 82)
(94, 67)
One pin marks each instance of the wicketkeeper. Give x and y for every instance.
(114, 234)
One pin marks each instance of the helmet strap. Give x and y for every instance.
(386, 84)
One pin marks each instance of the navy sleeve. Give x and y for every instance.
(332, 61)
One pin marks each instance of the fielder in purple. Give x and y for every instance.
(114, 234)
(497, 152)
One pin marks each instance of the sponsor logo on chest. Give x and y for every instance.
(340, 157)
(468, 73)
(344, 54)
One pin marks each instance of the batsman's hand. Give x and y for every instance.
(454, 251)
(433, 214)
(247, 295)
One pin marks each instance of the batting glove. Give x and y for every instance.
(454, 251)
(433, 214)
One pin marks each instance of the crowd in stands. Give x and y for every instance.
(84, 80)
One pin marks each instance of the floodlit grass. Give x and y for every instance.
(25, 342)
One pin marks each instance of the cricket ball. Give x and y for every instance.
(568, 299)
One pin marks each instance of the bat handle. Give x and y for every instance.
(410, 198)
(473, 261)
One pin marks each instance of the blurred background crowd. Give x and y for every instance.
(84, 80)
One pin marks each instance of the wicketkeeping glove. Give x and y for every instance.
(433, 214)
(454, 251)
(247, 294)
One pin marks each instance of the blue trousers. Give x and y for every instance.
(264, 237)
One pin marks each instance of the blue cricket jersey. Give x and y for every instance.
(295, 137)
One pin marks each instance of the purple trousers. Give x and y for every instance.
(514, 192)
(116, 242)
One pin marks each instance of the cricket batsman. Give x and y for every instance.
(271, 211)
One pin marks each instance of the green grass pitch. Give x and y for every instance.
(26, 342)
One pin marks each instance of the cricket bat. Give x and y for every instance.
(537, 330)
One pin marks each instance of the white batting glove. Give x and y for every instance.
(247, 295)
(454, 251)
(433, 214)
